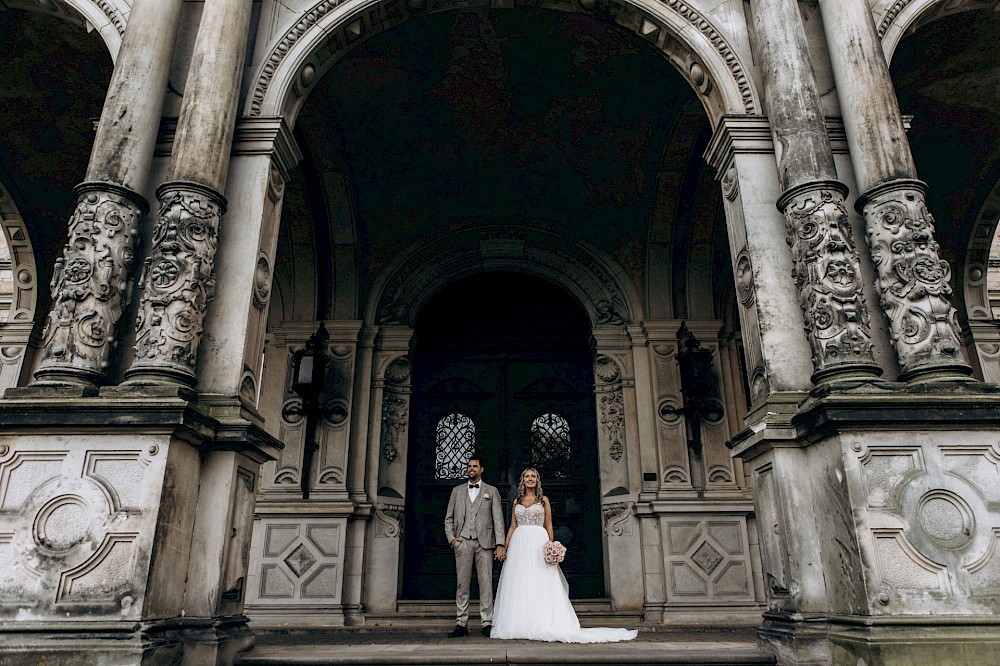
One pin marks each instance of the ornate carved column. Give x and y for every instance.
(826, 269)
(912, 277)
(91, 281)
(178, 276)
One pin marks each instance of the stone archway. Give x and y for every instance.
(16, 327)
(312, 45)
(609, 303)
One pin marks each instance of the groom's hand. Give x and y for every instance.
(500, 553)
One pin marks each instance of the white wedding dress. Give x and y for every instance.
(532, 599)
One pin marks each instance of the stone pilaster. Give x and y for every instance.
(827, 270)
(913, 279)
(91, 281)
(90, 284)
(777, 351)
(180, 276)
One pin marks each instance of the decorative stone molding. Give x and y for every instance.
(585, 271)
(827, 273)
(611, 404)
(388, 520)
(913, 280)
(395, 407)
(90, 283)
(178, 280)
(618, 518)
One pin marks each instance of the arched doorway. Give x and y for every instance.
(502, 366)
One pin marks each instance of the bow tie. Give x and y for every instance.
(473, 485)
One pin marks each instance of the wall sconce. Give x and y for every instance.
(697, 386)
(308, 380)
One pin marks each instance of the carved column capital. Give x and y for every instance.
(178, 281)
(913, 280)
(90, 284)
(827, 273)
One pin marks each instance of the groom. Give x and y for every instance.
(474, 527)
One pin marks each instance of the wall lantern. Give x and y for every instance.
(308, 381)
(697, 386)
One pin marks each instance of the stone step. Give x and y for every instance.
(430, 645)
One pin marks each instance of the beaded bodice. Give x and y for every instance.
(532, 515)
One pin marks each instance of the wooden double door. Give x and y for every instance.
(515, 410)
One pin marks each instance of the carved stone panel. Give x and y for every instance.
(300, 562)
(707, 559)
(75, 525)
(930, 510)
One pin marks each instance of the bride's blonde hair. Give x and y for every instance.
(521, 490)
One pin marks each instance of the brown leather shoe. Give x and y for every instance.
(458, 632)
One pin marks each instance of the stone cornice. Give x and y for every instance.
(738, 134)
(253, 136)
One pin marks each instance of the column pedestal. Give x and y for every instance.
(879, 509)
(124, 528)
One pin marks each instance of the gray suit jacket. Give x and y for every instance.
(486, 511)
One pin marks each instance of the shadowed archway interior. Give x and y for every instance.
(502, 367)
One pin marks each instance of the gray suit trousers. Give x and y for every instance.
(465, 552)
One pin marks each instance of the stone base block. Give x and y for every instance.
(904, 642)
(124, 644)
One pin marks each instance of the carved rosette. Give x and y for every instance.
(827, 273)
(913, 280)
(178, 281)
(90, 283)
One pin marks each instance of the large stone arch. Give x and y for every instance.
(895, 19)
(586, 272)
(107, 17)
(16, 331)
(982, 330)
(300, 57)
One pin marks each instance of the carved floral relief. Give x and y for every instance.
(827, 274)
(178, 280)
(913, 280)
(90, 283)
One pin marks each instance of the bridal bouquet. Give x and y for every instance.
(553, 552)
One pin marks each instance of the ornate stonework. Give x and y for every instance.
(395, 407)
(341, 35)
(611, 404)
(827, 274)
(913, 280)
(618, 518)
(178, 280)
(90, 283)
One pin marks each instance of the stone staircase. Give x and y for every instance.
(415, 644)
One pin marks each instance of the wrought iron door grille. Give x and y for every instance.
(550, 446)
(454, 443)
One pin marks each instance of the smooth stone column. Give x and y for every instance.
(913, 280)
(827, 269)
(90, 280)
(178, 277)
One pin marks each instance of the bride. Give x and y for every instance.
(532, 599)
